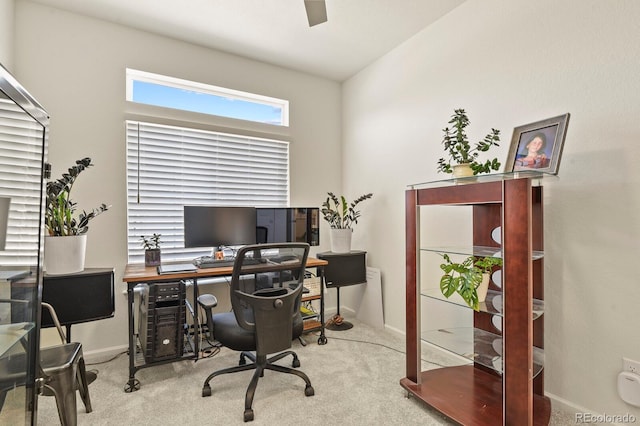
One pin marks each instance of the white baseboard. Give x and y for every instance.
(104, 353)
(570, 408)
(394, 330)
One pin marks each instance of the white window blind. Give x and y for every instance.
(21, 147)
(169, 167)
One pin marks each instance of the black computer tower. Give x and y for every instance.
(162, 320)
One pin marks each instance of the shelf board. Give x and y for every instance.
(311, 324)
(308, 298)
(480, 251)
(477, 345)
(534, 175)
(469, 396)
(493, 303)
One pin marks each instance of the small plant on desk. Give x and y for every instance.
(151, 249)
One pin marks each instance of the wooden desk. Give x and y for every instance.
(138, 273)
(135, 274)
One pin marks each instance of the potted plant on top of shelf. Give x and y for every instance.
(469, 278)
(151, 249)
(341, 217)
(66, 235)
(462, 158)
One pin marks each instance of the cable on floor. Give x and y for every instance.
(385, 346)
(107, 360)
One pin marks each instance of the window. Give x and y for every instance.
(168, 167)
(20, 183)
(170, 92)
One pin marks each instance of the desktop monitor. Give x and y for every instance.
(216, 226)
(288, 224)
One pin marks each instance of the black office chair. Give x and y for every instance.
(266, 288)
(61, 371)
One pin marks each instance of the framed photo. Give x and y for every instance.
(538, 146)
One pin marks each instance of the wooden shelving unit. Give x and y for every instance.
(505, 386)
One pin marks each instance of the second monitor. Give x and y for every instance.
(292, 224)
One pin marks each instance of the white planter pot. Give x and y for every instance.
(341, 240)
(483, 287)
(64, 255)
(462, 170)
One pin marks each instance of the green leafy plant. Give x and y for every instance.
(465, 277)
(460, 150)
(339, 214)
(150, 243)
(60, 209)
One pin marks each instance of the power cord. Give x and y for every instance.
(384, 346)
(108, 360)
(211, 351)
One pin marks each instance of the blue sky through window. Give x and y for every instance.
(173, 97)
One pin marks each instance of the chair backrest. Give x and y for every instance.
(266, 289)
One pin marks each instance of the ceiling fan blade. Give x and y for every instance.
(316, 11)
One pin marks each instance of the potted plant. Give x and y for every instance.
(462, 159)
(66, 233)
(470, 278)
(151, 249)
(341, 216)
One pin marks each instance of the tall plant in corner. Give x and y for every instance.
(59, 213)
(341, 216)
(66, 239)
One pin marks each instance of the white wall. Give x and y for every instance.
(510, 63)
(75, 67)
(507, 62)
(6, 33)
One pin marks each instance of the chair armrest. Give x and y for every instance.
(207, 301)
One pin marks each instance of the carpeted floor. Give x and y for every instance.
(356, 383)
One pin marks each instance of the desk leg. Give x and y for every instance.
(322, 340)
(132, 384)
(196, 320)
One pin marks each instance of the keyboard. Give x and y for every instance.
(209, 262)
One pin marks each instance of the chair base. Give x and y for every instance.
(260, 363)
(337, 323)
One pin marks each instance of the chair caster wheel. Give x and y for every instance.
(248, 415)
(206, 390)
(308, 391)
(322, 340)
(295, 363)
